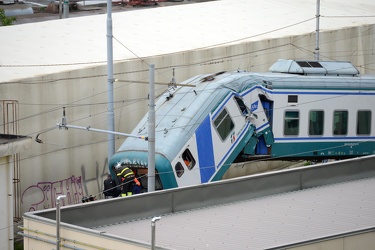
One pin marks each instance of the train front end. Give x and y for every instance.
(137, 161)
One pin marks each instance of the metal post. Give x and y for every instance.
(66, 8)
(58, 240)
(60, 8)
(151, 132)
(110, 112)
(317, 30)
(153, 222)
(9, 203)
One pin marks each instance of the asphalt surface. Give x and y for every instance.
(42, 13)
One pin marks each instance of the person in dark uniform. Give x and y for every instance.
(109, 190)
(126, 176)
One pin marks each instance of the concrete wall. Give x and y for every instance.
(363, 241)
(74, 162)
(80, 218)
(10, 146)
(44, 238)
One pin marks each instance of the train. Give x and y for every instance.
(299, 109)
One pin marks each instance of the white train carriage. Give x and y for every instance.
(298, 110)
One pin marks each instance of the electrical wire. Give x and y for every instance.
(81, 105)
(281, 107)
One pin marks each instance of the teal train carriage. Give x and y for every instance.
(298, 110)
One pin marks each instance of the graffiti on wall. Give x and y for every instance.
(42, 195)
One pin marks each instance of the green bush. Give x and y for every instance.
(18, 245)
(5, 21)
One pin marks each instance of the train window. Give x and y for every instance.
(340, 122)
(179, 169)
(188, 159)
(291, 123)
(241, 105)
(316, 123)
(224, 124)
(142, 177)
(364, 122)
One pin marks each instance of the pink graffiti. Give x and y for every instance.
(43, 195)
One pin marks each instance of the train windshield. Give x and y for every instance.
(141, 174)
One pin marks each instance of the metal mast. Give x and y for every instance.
(151, 132)
(317, 30)
(110, 112)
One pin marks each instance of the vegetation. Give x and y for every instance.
(18, 245)
(4, 20)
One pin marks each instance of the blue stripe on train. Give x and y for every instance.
(205, 150)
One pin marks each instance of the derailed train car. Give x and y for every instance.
(299, 110)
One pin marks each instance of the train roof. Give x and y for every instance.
(324, 75)
(179, 112)
(334, 68)
(323, 83)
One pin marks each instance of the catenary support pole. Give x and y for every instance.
(317, 30)
(60, 8)
(110, 111)
(58, 214)
(151, 132)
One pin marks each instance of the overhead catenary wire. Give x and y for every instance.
(143, 70)
(214, 45)
(83, 104)
(196, 124)
(362, 66)
(56, 144)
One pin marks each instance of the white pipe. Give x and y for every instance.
(153, 222)
(58, 214)
(47, 241)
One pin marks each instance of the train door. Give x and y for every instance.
(229, 126)
(265, 135)
(261, 113)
